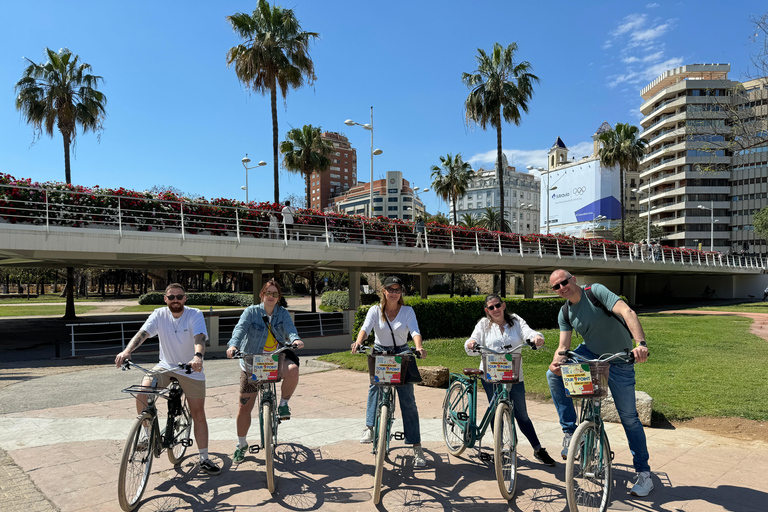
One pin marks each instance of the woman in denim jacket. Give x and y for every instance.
(263, 328)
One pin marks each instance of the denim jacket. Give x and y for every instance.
(250, 333)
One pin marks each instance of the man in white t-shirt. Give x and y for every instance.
(182, 335)
(288, 213)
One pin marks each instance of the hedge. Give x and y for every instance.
(201, 299)
(341, 299)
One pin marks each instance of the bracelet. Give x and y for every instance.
(198, 354)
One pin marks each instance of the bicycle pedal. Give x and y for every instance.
(398, 436)
(254, 448)
(186, 443)
(462, 416)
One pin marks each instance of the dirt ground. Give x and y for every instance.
(737, 428)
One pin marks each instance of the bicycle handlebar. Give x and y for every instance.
(239, 354)
(128, 363)
(506, 349)
(627, 355)
(364, 349)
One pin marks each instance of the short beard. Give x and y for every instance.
(176, 307)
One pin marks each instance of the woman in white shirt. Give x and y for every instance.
(392, 321)
(497, 329)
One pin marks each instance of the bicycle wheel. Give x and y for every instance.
(136, 463)
(267, 416)
(454, 430)
(505, 450)
(182, 428)
(588, 470)
(381, 453)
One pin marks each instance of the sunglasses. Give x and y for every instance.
(276, 295)
(177, 297)
(494, 306)
(394, 290)
(560, 284)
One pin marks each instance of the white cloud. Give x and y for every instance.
(651, 72)
(629, 24)
(652, 6)
(522, 158)
(643, 37)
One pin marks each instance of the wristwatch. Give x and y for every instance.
(198, 354)
(642, 344)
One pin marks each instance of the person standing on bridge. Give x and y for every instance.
(607, 325)
(288, 213)
(261, 329)
(182, 335)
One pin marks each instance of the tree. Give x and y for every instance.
(621, 147)
(62, 93)
(306, 152)
(454, 182)
(761, 222)
(637, 230)
(491, 220)
(469, 221)
(296, 200)
(500, 91)
(439, 218)
(275, 54)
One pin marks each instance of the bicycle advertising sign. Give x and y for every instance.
(389, 370)
(265, 367)
(577, 379)
(502, 367)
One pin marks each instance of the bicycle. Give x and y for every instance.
(460, 427)
(266, 371)
(588, 477)
(387, 370)
(145, 438)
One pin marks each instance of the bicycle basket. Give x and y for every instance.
(586, 379)
(388, 370)
(265, 367)
(502, 367)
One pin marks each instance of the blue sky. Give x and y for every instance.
(178, 116)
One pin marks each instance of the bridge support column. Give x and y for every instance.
(258, 282)
(630, 288)
(354, 288)
(528, 282)
(423, 284)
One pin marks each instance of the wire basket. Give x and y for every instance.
(388, 370)
(502, 367)
(586, 379)
(267, 367)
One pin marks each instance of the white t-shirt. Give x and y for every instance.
(177, 336)
(288, 215)
(404, 322)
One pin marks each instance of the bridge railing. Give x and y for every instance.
(131, 211)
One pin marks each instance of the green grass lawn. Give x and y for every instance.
(48, 297)
(698, 365)
(55, 310)
(744, 307)
(152, 307)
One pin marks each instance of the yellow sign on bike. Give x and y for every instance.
(577, 379)
(502, 367)
(389, 370)
(266, 367)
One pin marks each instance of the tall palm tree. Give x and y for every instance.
(274, 54)
(491, 220)
(306, 152)
(622, 147)
(454, 182)
(469, 221)
(62, 93)
(500, 89)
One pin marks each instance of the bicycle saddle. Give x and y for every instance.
(473, 371)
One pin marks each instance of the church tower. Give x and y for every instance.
(558, 154)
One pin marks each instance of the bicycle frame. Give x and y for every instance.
(469, 424)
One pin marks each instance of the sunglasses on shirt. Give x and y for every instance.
(560, 284)
(177, 297)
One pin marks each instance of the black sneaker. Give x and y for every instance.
(543, 457)
(207, 466)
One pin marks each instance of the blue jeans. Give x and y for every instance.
(408, 408)
(621, 381)
(517, 395)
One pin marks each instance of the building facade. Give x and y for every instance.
(339, 178)
(699, 186)
(393, 198)
(521, 198)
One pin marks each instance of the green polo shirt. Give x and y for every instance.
(602, 333)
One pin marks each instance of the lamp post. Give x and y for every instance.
(549, 189)
(648, 220)
(369, 127)
(712, 228)
(245, 162)
(416, 193)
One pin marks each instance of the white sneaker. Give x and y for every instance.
(643, 484)
(418, 457)
(367, 436)
(566, 444)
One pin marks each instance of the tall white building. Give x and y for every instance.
(393, 198)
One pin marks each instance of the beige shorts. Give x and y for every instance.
(193, 388)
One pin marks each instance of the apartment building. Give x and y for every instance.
(696, 182)
(339, 178)
(393, 198)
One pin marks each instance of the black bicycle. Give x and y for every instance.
(145, 438)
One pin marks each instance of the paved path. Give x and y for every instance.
(66, 456)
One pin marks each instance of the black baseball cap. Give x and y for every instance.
(393, 280)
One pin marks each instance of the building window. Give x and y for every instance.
(392, 191)
(334, 168)
(392, 208)
(378, 208)
(335, 175)
(392, 199)
(378, 199)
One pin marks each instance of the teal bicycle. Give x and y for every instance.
(460, 427)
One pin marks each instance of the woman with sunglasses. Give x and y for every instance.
(392, 321)
(262, 328)
(497, 329)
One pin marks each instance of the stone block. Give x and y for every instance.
(644, 404)
(434, 376)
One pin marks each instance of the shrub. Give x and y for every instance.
(341, 299)
(201, 299)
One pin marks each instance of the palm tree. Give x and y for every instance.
(454, 182)
(491, 220)
(275, 54)
(306, 152)
(469, 221)
(622, 147)
(62, 93)
(500, 91)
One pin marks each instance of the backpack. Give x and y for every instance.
(595, 302)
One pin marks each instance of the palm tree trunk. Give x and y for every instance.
(273, 101)
(455, 218)
(309, 197)
(501, 178)
(69, 310)
(67, 168)
(623, 190)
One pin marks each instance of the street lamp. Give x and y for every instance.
(549, 189)
(712, 230)
(417, 191)
(245, 162)
(369, 127)
(648, 220)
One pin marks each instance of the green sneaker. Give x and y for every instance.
(285, 412)
(239, 455)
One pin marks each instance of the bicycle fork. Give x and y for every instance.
(266, 396)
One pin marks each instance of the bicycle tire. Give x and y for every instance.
(505, 450)
(136, 465)
(455, 430)
(182, 429)
(381, 453)
(588, 478)
(267, 416)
